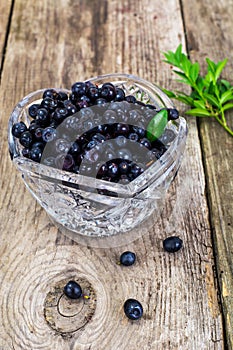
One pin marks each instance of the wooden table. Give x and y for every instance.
(187, 296)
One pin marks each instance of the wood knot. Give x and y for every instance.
(66, 315)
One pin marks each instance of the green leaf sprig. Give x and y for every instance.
(210, 96)
(157, 125)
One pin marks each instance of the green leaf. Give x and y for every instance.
(200, 82)
(213, 100)
(220, 66)
(185, 99)
(178, 53)
(216, 91)
(199, 104)
(183, 76)
(195, 95)
(157, 124)
(185, 64)
(198, 112)
(194, 71)
(171, 58)
(169, 93)
(225, 83)
(210, 96)
(211, 66)
(227, 106)
(208, 79)
(226, 96)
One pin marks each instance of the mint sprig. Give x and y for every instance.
(210, 95)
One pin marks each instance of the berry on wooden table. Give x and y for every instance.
(73, 290)
(172, 244)
(127, 258)
(133, 309)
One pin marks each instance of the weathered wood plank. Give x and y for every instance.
(5, 8)
(214, 20)
(71, 41)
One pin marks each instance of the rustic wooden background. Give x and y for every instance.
(187, 296)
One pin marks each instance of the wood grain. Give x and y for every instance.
(5, 9)
(214, 19)
(73, 40)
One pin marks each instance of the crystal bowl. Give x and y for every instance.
(91, 207)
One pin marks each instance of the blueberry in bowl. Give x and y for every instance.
(99, 157)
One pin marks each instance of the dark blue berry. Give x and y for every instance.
(43, 116)
(122, 129)
(93, 93)
(108, 91)
(86, 99)
(49, 104)
(51, 93)
(26, 152)
(83, 103)
(102, 171)
(62, 96)
(89, 84)
(38, 144)
(120, 95)
(123, 167)
(136, 170)
(133, 136)
(149, 106)
(130, 99)
(73, 290)
(133, 309)
(33, 126)
(38, 133)
(140, 104)
(36, 154)
(101, 101)
(141, 132)
(127, 258)
(112, 169)
(49, 134)
(172, 244)
(26, 139)
(173, 113)
(74, 98)
(102, 129)
(157, 152)
(98, 137)
(32, 110)
(91, 144)
(18, 129)
(78, 89)
(60, 114)
(145, 142)
(75, 148)
(70, 107)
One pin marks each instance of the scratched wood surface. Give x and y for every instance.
(214, 20)
(53, 44)
(5, 11)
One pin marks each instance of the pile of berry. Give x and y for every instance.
(95, 131)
